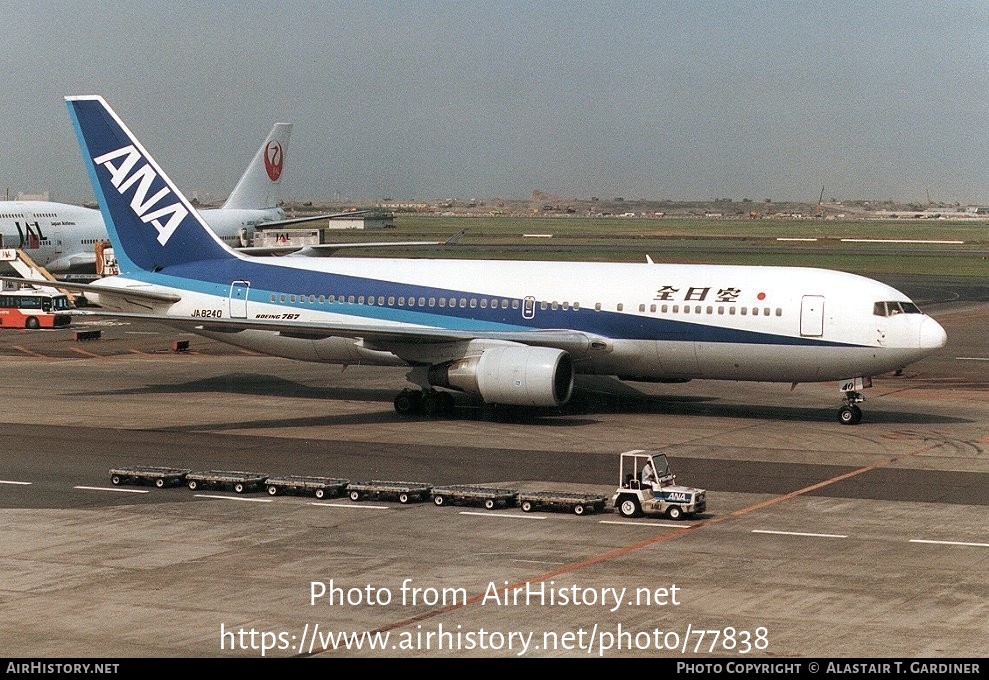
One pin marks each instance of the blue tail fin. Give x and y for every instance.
(150, 223)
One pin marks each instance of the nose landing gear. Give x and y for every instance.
(849, 413)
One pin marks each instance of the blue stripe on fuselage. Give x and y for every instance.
(215, 278)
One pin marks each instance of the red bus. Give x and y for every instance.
(28, 308)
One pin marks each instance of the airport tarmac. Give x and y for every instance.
(819, 540)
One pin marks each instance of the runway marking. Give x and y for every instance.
(783, 238)
(86, 354)
(353, 505)
(501, 514)
(4, 481)
(971, 358)
(234, 498)
(900, 240)
(974, 545)
(797, 533)
(646, 543)
(645, 524)
(111, 488)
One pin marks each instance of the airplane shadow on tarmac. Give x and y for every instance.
(587, 401)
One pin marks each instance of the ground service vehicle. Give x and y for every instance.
(30, 308)
(465, 494)
(304, 485)
(405, 492)
(148, 474)
(637, 495)
(579, 503)
(241, 482)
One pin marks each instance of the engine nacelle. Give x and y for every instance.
(516, 375)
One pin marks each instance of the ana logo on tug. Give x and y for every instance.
(123, 177)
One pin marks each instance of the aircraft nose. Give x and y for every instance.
(932, 335)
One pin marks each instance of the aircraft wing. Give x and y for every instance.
(310, 218)
(386, 337)
(146, 294)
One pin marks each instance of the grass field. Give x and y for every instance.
(963, 251)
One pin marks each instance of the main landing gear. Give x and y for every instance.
(431, 403)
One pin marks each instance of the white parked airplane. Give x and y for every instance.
(62, 237)
(509, 332)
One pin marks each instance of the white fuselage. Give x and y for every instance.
(656, 321)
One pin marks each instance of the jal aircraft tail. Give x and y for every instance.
(260, 186)
(151, 224)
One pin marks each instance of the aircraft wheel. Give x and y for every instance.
(849, 414)
(432, 404)
(407, 402)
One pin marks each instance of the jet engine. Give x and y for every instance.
(516, 375)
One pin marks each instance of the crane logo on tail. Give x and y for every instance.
(274, 159)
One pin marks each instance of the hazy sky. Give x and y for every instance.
(462, 99)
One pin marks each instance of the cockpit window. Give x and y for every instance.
(894, 307)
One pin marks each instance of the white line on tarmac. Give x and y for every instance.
(797, 533)
(971, 358)
(234, 498)
(501, 514)
(899, 240)
(3, 481)
(358, 506)
(111, 488)
(974, 545)
(647, 524)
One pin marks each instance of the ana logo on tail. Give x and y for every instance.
(123, 179)
(274, 159)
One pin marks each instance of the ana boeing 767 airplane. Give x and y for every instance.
(62, 237)
(507, 332)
